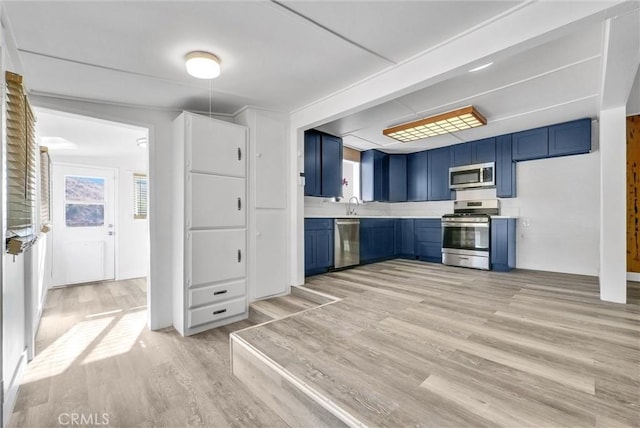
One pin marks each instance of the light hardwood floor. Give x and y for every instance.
(419, 344)
(95, 355)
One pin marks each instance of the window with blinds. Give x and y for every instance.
(140, 202)
(21, 159)
(45, 187)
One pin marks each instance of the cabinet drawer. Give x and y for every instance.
(215, 147)
(216, 293)
(428, 222)
(318, 223)
(215, 201)
(216, 312)
(429, 250)
(215, 255)
(428, 234)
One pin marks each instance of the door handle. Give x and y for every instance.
(239, 256)
(239, 204)
(239, 153)
(110, 233)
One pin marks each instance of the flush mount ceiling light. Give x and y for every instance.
(444, 123)
(142, 142)
(203, 65)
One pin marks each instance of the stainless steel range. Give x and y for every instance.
(466, 234)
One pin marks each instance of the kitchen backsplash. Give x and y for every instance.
(327, 207)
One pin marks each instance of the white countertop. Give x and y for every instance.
(394, 216)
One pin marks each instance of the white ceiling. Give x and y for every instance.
(285, 55)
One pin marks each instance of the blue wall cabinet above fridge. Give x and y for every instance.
(322, 164)
(570, 138)
(438, 174)
(531, 144)
(417, 176)
(318, 245)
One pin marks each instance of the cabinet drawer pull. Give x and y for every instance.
(220, 311)
(239, 153)
(215, 293)
(239, 204)
(239, 256)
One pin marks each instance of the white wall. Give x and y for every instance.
(559, 199)
(132, 236)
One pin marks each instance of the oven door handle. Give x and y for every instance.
(478, 225)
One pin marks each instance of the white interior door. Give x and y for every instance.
(83, 209)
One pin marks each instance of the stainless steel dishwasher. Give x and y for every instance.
(346, 243)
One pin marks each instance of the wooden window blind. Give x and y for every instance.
(140, 202)
(45, 187)
(21, 159)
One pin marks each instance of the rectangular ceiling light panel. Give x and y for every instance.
(456, 120)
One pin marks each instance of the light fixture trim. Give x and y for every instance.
(481, 67)
(202, 64)
(444, 123)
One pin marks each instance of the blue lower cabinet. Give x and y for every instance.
(428, 240)
(503, 244)
(318, 245)
(377, 239)
(405, 240)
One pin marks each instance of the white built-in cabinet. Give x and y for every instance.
(210, 223)
(268, 202)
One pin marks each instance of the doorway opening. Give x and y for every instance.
(99, 209)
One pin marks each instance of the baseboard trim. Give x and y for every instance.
(12, 390)
(633, 276)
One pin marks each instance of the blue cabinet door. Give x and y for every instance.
(318, 245)
(366, 240)
(397, 178)
(374, 176)
(405, 238)
(331, 166)
(505, 168)
(461, 154)
(483, 151)
(312, 164)
(417, 176)
(310, 262)
(570, 138)
(438, 181)
(531, 144)
(503, 244)
(428, 240)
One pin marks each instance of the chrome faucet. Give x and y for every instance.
(351, 210)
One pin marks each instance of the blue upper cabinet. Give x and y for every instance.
(331, 166)
(483, 151)
(397, 178)
(438, 173)
(322, 164)
(417, 176)
(570, 138)
(374, 176)
(531, 144)
(461, 154)
(312, 167)
(505, 168)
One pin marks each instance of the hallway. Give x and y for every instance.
(96, 358)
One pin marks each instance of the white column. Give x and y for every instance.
(613, 256)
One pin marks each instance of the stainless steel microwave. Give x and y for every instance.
(478, 175)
